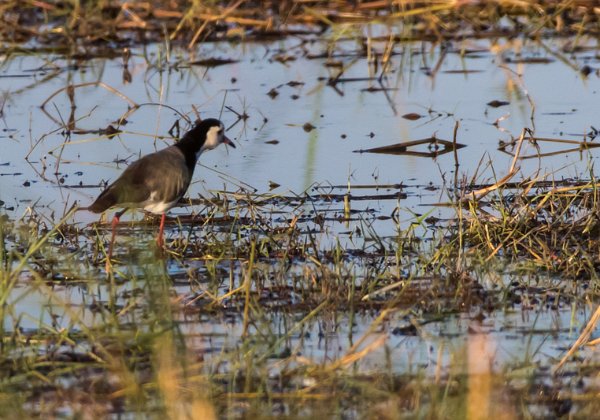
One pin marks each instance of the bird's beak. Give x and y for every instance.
(228, 142)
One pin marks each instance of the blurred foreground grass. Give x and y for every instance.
(246, 318)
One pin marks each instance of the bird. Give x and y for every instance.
(156, 182)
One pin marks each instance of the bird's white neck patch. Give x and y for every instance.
(214, 137)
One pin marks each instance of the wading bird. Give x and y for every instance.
(157, 181)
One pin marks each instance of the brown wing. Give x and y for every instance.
(163, 173)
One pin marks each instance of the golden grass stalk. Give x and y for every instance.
(583, 338)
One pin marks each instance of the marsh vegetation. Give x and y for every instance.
(409, 226)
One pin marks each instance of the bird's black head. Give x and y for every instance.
(206, 135)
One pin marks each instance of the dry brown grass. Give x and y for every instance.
(75, 24)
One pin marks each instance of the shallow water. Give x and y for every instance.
(459, 91)
(43, 168)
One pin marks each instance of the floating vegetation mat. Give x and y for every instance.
(265, 304)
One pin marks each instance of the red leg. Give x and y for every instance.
(159, 240)
(114, 224)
